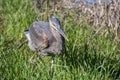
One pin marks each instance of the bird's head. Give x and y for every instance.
(55, 24)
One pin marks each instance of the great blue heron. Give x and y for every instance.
(47, 38)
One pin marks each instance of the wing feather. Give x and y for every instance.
(38, 35)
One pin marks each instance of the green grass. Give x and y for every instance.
(87, 57)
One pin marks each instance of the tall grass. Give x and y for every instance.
(88, 56)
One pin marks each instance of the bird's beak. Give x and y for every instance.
(58, 28)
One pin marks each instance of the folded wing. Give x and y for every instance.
(38, 35)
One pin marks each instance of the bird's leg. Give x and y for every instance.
(52, 63)
(52, 67)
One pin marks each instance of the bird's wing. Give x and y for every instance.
(38, 35)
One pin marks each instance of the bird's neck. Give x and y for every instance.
(56, 34)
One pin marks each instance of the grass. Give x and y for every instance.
(87, 57)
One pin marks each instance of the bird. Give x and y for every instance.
(46, 38)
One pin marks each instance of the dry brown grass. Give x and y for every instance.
(102, 17)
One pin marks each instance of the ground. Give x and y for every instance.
(87, 56)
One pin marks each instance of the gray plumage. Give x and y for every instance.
(46, 37)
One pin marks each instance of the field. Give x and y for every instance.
(88, 55)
